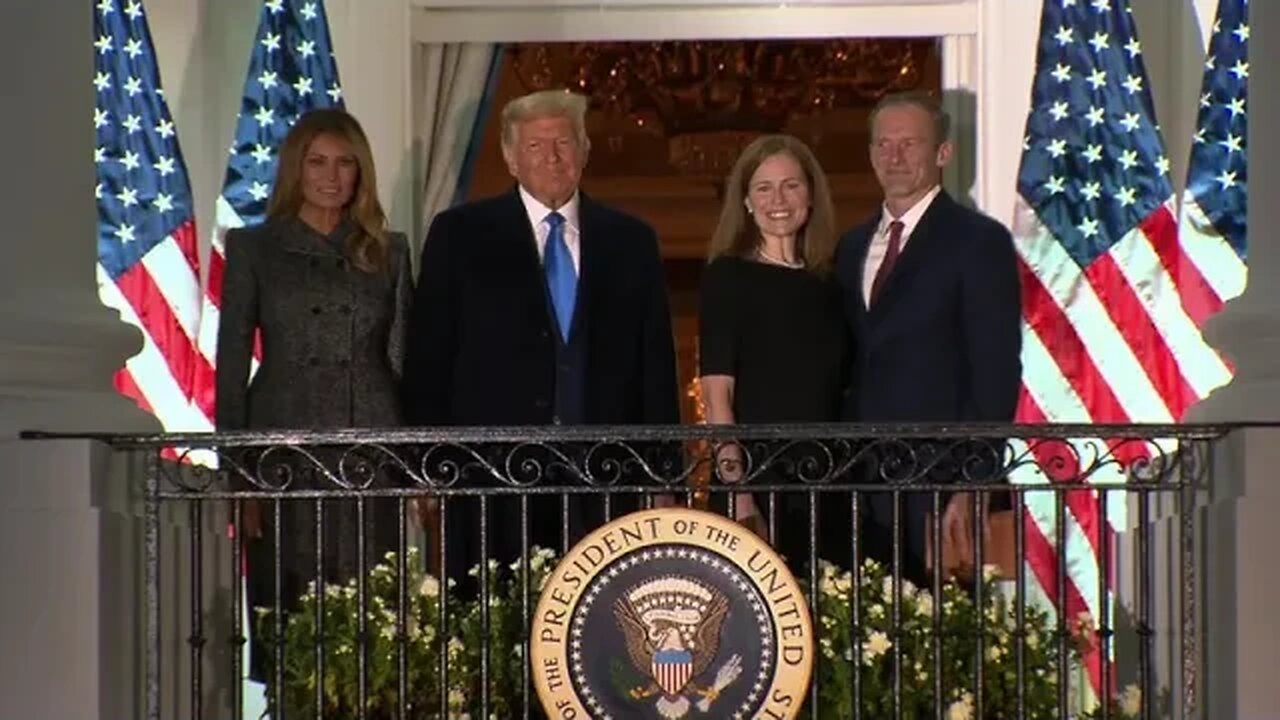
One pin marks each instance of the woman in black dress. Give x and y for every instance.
(773, 341)
(327, 286)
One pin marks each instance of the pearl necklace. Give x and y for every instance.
(778, 261)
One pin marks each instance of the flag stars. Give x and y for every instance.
(259, 191)
(103, 43)
(1236, 107)
(1131, 121)
(267, 79)
(164, 166)
(1128, 159)
(1133, 47)
(309, 11)
(1162, 165)
(124, 234)
(99, 154)
(1232, 143)
(1055, 185)
(130, 160)
(1064, 36)
(97, 191)
(128, 197)
(100, 117)
(1198, 138)
(264, 116)
(101, 82)
(1061, 72)
(1093, 153)
(1098, 78)
(1096, 116)
(1126, 196)
(133, 124)
(1210, 62)
(1241, 32)
(133, 10)
(335, 92)
(1133, 84)
(1091, 190)
(275, 6)
(133, 48)
(1206, 100)
(1240, 70)
(165, 129)
(1226, 179)
(1057, 147)
(261, 153)
(302, 86)
(1059, 110)
(1088, 228)
(163, 202)
(106, 7)
(307, 48)
(271, 42)
(133, 86)
(1100, 41)
(1102, 6)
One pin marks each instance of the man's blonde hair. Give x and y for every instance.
(546, 103)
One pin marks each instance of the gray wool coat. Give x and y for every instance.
(332, 335)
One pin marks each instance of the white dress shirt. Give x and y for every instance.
(880, 241)
(541, 229)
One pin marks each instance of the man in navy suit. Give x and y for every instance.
(538, 307)
(932, 295)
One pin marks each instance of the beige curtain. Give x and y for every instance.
(450, 84)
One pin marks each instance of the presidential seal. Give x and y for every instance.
(671, 614)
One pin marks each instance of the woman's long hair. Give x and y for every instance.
(366, 247)
(737, 235)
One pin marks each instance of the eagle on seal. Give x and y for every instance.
(672, 626)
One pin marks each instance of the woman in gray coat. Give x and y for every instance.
(328, 288)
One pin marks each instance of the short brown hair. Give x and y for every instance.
(923, 100)
(366, 248)
(738, 236)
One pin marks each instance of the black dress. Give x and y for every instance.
(780, 333)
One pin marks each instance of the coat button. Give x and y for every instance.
(315, 310)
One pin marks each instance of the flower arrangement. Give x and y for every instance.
(875, 646)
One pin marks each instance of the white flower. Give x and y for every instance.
(990, 572)
(961, 709)
(876, 645)
(924, 602)
(430, 587)
(994, 653)
(1131, 701)
(456, 699)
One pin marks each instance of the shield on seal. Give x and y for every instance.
(672, 670)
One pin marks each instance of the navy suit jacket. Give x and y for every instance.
(481, 348)
(943, 342)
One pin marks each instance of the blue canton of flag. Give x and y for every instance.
(148, 268)
(291, 71)
(1214, 204)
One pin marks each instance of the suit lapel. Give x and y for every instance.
(514, 230)
(914, 255)
(589, 260)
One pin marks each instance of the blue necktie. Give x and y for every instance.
(562, 279)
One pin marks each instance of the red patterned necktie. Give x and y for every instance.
(890, 258)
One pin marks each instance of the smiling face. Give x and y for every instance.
(778, 196)
(330, 171)
(546, 156)
(905, 154)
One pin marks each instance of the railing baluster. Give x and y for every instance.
(152, 542)
(319, 638)
(196, 639)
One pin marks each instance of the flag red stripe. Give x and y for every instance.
(216, 265)
(159, 323)
(1140, 333)
(1198, 296)
(1057, 333)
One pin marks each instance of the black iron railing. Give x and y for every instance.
(886, 651)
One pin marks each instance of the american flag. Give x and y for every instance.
(291, 71)
(1108, 337)
(1214, 202)
(148, 266)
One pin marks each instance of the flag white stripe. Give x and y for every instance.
(1198, 363)
(173, 274)
(1074, 295)
(1217, 261)
(1044, 381)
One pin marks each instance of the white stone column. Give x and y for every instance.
(58, 345)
